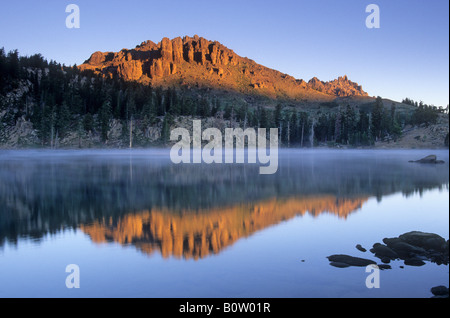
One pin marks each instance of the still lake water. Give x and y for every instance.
(139, 226)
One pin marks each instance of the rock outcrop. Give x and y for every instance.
(413, 248)
(341, 261)
(429, 159)
(341, 87)
(440, 292)
(196, 61)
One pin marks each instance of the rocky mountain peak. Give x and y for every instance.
(196, 61)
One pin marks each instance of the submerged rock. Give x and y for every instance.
(429, 159)
(342, 259)
(360, 248)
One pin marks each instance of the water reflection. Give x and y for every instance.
(196, 234)
(191, 211)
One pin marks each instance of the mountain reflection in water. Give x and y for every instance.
(198, 234)
(192, 211)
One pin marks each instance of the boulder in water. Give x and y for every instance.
(429, 159)
(342, 260)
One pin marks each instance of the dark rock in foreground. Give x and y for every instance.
(384, 266)
(341, 260)
(360, 248)
(440, 291)
(384, 252)
(414, 248)
(428, 241)
(414, 262)
(339, 264)
(429, 159)
(405, 250)
(385, 260)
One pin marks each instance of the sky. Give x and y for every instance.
(408, 56)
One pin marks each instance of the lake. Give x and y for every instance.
(138, 225)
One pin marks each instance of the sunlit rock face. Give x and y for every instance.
(198, 62)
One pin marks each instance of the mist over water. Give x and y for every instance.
(136, 203)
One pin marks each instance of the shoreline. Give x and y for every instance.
(168, 147)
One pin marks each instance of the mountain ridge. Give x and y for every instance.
(196, 61)
(46, 104)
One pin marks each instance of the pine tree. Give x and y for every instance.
(304, 127)
(377, 119)
(350, 125)
(204, 109)
(105, 117)
(294, 129)
(13, 64)
(47, 123)
(3, 69)
(263, 120)
(364, 129)
(395, 128)
(88, 122)
(149, 111)
(277, 115)
(130, 106)
(191, 107)
(215, 107)
(159, 97)
(175, 104)
(285, 129)
(165, 130)
(131, 131)
(63, 120)
(125, 134)
(80, 131)
(321, 129)
(118, 105)
(337, 127)
(168, 101)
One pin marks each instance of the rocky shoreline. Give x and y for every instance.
(413, 248)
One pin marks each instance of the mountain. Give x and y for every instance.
(134, 98)
(198, 62)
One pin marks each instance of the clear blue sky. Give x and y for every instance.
(407, 57)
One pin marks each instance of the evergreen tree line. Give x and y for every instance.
(424, 114)
(61, 99)
(356, 127)
(347, 126)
